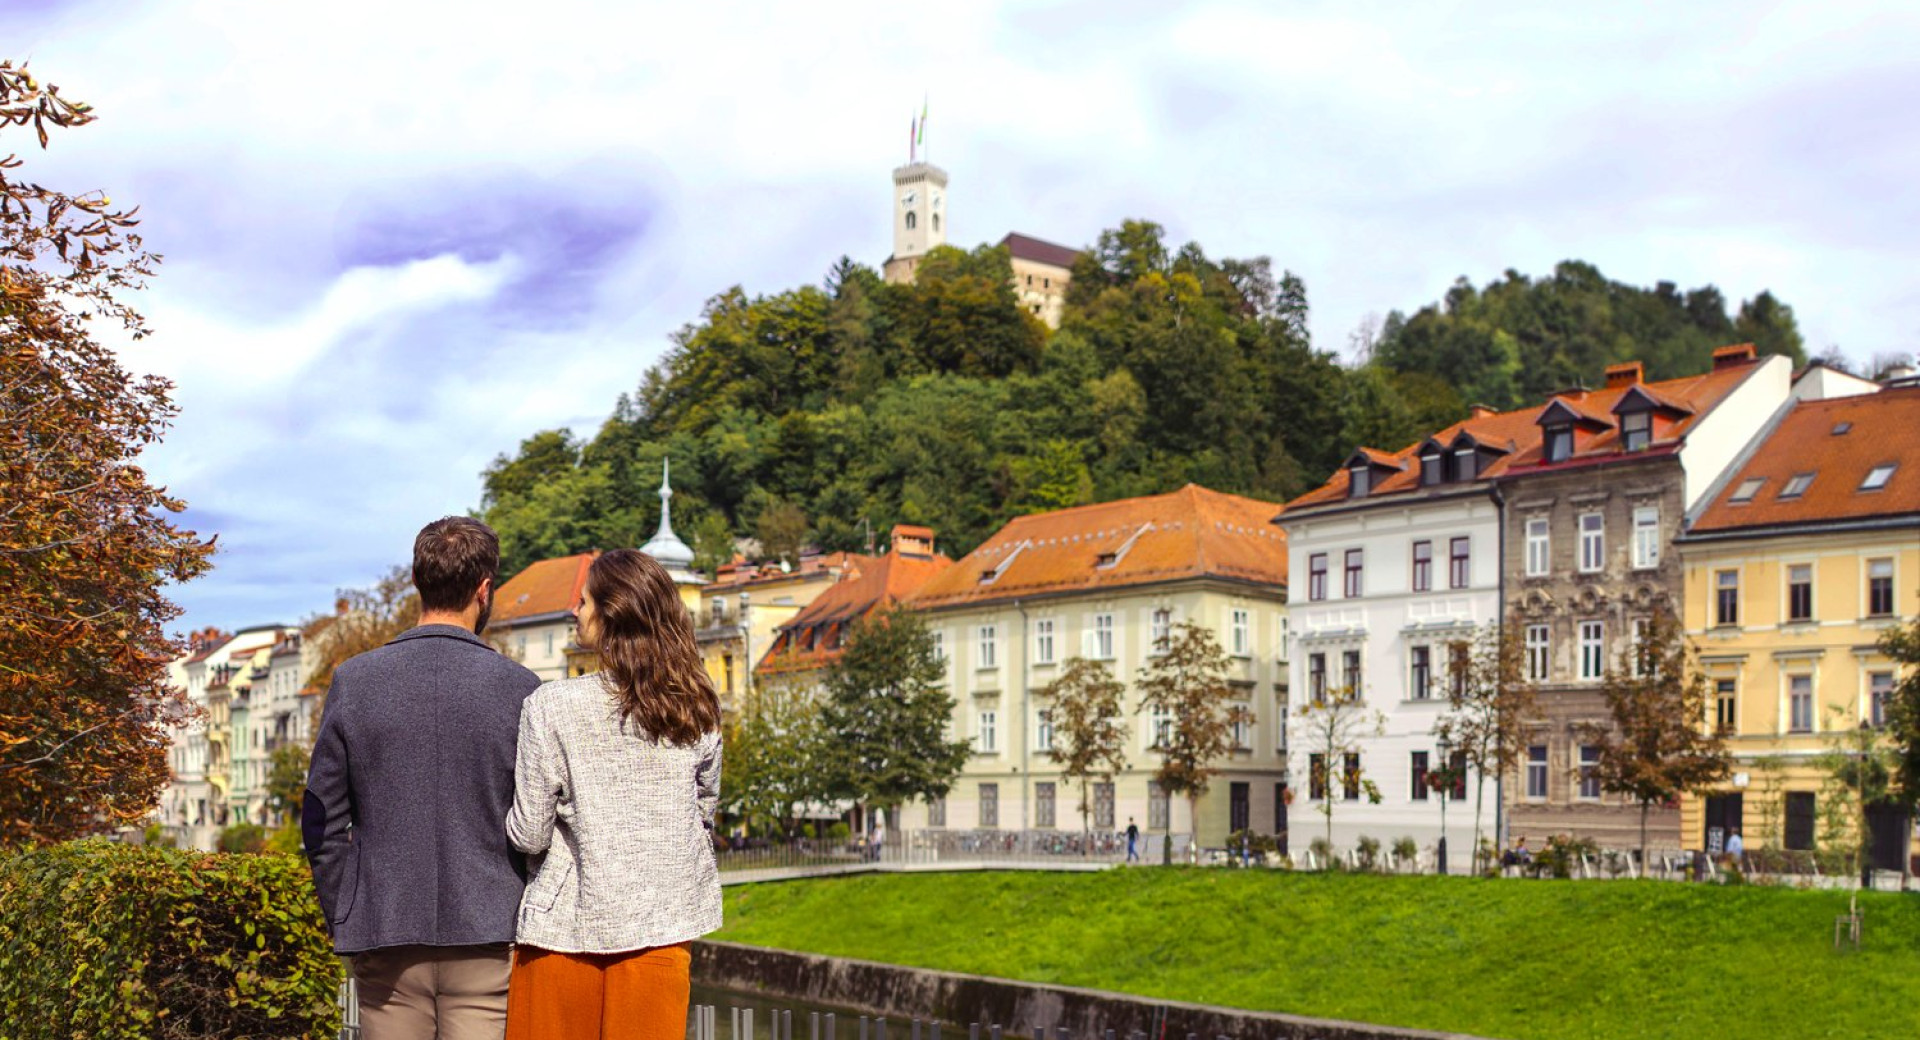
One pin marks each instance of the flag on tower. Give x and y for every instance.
(913, 139)
(920, 136)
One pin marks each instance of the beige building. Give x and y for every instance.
(742, 609)
(1107, 582)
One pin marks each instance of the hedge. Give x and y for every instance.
(114, 941)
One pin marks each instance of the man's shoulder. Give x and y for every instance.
(407, 654)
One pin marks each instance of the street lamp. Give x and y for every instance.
(1446, 772)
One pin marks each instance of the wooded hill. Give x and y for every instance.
(823, 412)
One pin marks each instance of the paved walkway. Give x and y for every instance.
(748, 877)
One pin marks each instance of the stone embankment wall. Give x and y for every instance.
(1023, 1008)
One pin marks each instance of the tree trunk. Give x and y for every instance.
(1479, 800)
(1193, 822)
(1644, 807)
(1086, 820)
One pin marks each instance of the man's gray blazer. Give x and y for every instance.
(407, 796)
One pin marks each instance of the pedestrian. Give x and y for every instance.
(877, 839)
(1133, 841)
(1736, 849)
(411, 774)
(615, 789)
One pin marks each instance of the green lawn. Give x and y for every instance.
(1552, 960)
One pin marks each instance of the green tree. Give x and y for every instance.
(1859, 765)
(1331, 729)
(286, 785)
(888, 715)
(1490, 702)
(774, 747)
(1902, 720)
(1089, 742)
(1658, 746)
(1194, 709)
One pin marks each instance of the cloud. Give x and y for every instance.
(399, 240)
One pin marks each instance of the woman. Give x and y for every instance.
(615, 788)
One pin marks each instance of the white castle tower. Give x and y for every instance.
(919, 217)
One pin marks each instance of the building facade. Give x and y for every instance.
(200, 798)
(742, 609)
(1590, 515)
(1107, 583)
(1798, 561)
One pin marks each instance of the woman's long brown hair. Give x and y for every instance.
(647, 651)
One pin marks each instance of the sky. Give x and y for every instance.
(399, 237)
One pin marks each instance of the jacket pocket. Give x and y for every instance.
(544, 893)
(349, 884)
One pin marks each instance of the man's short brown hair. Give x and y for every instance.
(451, 557)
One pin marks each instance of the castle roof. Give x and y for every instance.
(1039, 250)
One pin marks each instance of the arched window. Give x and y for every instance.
(936, 221)
(912, 219)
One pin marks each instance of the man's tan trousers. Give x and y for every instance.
(433, 992)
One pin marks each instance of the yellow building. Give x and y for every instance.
(1802, 557)
(1107, 583)
(742, 609)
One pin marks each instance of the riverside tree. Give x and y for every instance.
(1194, 711)
(86, 543)
(1331, 728)
(1658, 745)
(1489, 704)
(1089, 742)
(364, 619)
(774, 742)
(888, 716)
(1901, 724)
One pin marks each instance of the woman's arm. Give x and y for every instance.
(537, 785)
(706, 779)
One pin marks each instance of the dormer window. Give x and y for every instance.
(1560, 442)
(1878, 476)
(1357, 483)
(1433, 469)
(1636, 429)
(1466, 464)
(1747, 489)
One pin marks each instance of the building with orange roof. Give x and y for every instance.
(532, 619)
(1107, 582)
(1590, 514)
(1796, 562)
(816, 635)
(745, 605)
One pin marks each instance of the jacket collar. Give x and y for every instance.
(437, 631)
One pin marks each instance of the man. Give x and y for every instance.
(1736, 848)
(1133, 841)
(406, 805)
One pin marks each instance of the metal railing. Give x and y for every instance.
(938, 846)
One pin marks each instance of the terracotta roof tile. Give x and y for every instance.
(870, 582)
(1189, 533)
(1885, 429)
(547, 587)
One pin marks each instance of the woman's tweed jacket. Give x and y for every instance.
(625, 822)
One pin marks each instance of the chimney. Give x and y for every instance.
(1481, 411)
(1738, 354)
(911, 540)
(1628, 373)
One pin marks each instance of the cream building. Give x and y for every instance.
(1107, 582)
(743, 608)
(199, 799)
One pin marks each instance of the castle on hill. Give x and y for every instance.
(1041, 269)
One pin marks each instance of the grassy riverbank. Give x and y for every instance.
(1523, 959)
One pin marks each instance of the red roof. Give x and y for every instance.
(548, 587)
(1038, 250)
(869, 583)
(1189, 533)
(1839, 441)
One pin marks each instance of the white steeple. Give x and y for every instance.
(666, 546)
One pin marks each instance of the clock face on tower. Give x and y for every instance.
(909, 199)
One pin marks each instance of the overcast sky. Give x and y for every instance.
(400, 237)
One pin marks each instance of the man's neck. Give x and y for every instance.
(459, 619)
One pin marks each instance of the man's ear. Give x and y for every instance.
(484, 594)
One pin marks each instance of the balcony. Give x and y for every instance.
(719, 632)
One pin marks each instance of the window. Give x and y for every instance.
(1800, 820)
(940, 645)
(1159, 726)
(1879, 588)
(1350, 778)
(988, 646)
(1420, 789)
(1879, 692)
(1241, 627)
(1242, 728)
(1539, 650)
(1877, 477)
(1043, 731)
(1159, 808)
(1796, 486)
(1161, 630)
(1316, 777)
(1043, 641)
(1559, 443)
(549, 642)
(1590, 772)
(1538, 561)
(989, 806)
(1725, 709)
(1466, 464)
(1747, 489)
(1103, 806)
(1726, 597)
(1593, 656)
(1350, 672)
(1646, 537)
(1459, 562)
(1102, 637)
(1043, 805)
(1356, 561)
(1800, 703)
(1593, 542)
(1422, 566)
(1636, 429)
(1800, 592)
(913, 220)
(987, 732)
(1459, 667)
(1432, 469)
(1422, 672)
(1357, 484)
(1317, 677)
(1537, 771)
(1317, 576)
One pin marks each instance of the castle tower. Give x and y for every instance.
(919, 217)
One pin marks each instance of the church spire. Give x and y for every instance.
(666, 546)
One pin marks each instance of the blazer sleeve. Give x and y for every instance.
(537, 784)
(706, 780)
(326, 810)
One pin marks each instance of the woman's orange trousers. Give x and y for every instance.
(599, 996)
